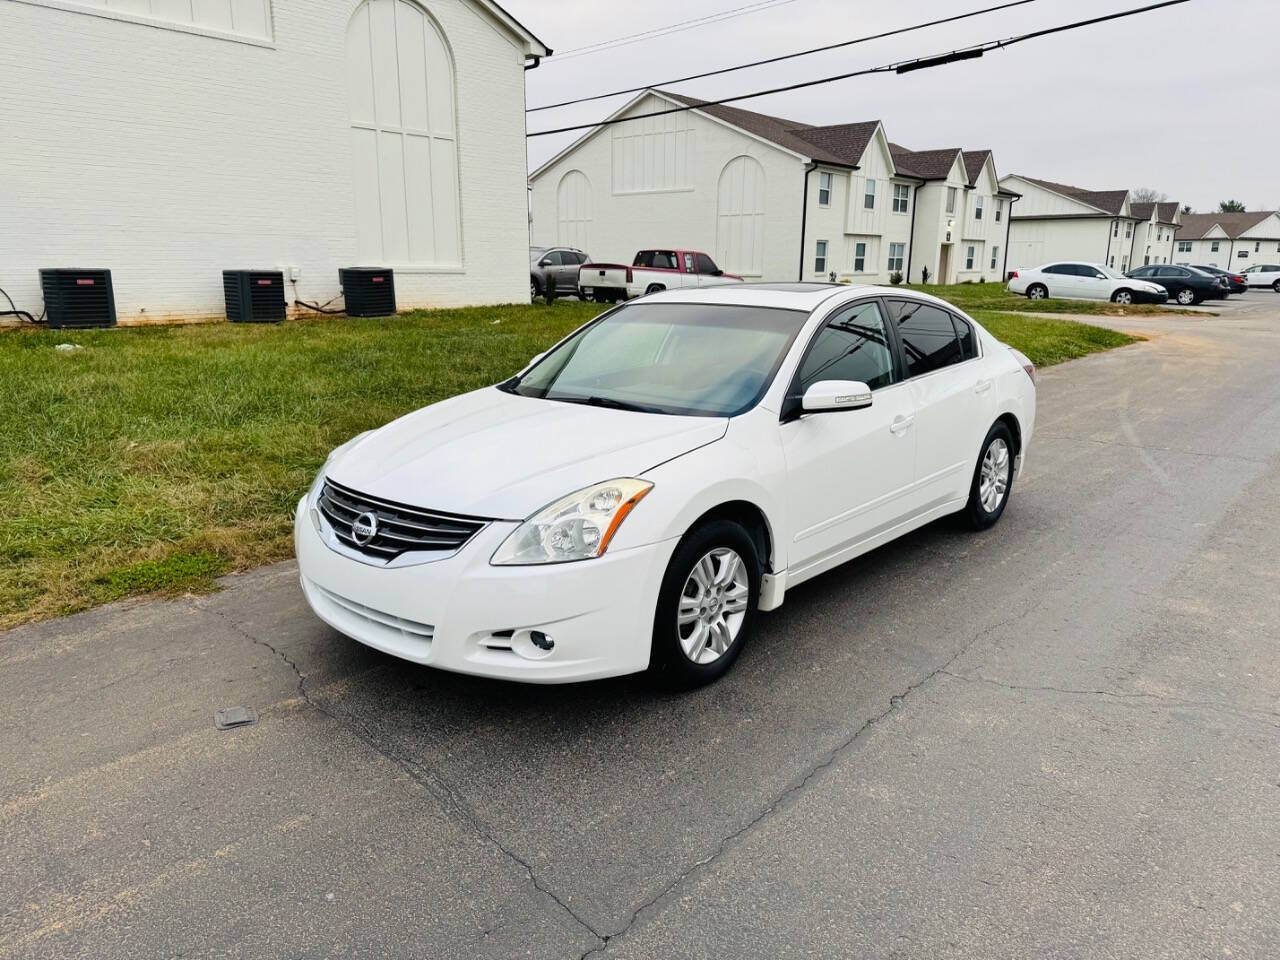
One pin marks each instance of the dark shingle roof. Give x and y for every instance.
(925, 164)
(1112, 201)
(1142, 210)
(841, 144)
(974, 160)
(1196, 225)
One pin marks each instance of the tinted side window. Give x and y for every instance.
(705, 264)
(928, 337)
(853, 345)
(570, 258)
(1057, 268)
(968, 339)
(555, 257)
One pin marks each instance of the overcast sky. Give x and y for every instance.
(1180, 99)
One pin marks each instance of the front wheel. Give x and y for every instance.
(1276, 286)
(534, 291)
(1122, 296)
(992, 479)
(706, 605)
(1187, 297)
(1037, 291)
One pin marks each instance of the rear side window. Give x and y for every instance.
(968, 339)
(853, 345)
(1057, 268)
(928, 337)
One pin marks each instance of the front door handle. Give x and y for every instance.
(901, 425)
(982, 386)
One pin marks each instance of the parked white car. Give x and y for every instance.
(652, 271)
(634, 496)
(1077, 280)
(1263, 275)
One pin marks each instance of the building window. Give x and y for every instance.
(1124, 265)
(1257, 247)
(824, 189)
(869, 199)
(977, 208)
(995, 257)
(896, 252)
(1184, 246)
(860, 258)
(968, 259)
(999, 210)
(403, 136)
(1128, 230)
(951, 199)
(1213, 247)
(1115, 228)
(901, 197)
(820, 257)
(1112, 262)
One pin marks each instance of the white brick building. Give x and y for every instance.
(768, 198)
(168, 140)
(1232, 241)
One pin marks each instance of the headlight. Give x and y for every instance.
(576, 527)
(318, 483)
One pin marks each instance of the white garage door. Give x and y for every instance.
(573, 211)
(400, 96)
(740, 218)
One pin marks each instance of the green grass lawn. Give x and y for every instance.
(157, 459)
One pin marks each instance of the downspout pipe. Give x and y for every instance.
(911, 240)
(804, 215)
(1008, 232)
(1113, 229)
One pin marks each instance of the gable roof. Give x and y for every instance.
(1196, 225)
(533, 46)
(1108, 201)
(841, 144)
(924, 164)
(974, 161)
(1142, 210)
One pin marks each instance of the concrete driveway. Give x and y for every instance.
(1059, 738)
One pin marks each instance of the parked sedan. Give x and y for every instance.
(1236, 282)
(1263, 275)
(562, 263)
(1187, 285)
(636, 495)
(1074, 280)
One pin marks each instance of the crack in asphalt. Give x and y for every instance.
(431, 781)
(1150, 449)
(1250, 714)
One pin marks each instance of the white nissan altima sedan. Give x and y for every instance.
(636, 495)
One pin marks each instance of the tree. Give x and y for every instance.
(1231, 206)
(1186, 208)
(1147, 195)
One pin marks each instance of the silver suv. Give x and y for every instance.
(559, 262)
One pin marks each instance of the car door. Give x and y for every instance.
(1173, 279)
(567, 273)
(709, 275)
(688, 269)
(848, 471)
(1094, 284)
(1060, 279)
(953, 395)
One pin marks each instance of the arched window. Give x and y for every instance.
(404, 141)
(740, 218)
(573, 211)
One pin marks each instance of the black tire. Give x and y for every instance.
(1276, 286)
(1123, 296)
(668, 662)
(535, 289)
(1037, 291)
(654, 288)
(979, 517)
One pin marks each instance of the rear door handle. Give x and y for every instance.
(901, 425)
(982, 386)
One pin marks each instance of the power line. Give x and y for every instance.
(785, 56)
(901, 66)
(669, 28)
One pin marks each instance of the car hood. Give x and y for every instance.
(495, 454)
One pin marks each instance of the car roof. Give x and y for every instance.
(787, 296)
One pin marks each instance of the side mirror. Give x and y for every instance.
(544, 263)
(827, 396)
(717, 272)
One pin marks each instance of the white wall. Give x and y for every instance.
(657, 183)
(986, 235)
(1036, 242)
(168, 156)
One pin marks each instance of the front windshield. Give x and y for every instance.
(692, 359)
(1113, 274)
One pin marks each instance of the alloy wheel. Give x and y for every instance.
(1186, 297)
(1124, 297)
(1036, 293)
(994, 480)
(713, 605)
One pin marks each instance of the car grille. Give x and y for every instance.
(399, 528)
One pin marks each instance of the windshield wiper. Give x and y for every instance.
(609, 403)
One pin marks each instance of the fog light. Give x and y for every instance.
(541, 640)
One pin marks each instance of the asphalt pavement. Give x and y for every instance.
(1057, 738)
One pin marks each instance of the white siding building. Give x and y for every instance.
(768, 198)
(168, 140)
(1054, 221)
(1229, 240)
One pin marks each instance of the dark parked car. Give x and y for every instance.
(1187, 285)
(559, 262)
(1236, 282)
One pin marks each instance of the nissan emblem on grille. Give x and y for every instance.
(364, 528)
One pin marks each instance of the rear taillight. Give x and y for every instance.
(629, 275)
(1014, 275)
(1025, 362)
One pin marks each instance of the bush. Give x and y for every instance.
(896, 277)
(551, 290)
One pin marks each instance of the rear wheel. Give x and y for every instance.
(1037, 291)
(654, 288)
(706, 605)
(1122, 296)
(1276, 286)
(992, 479)
(1187, 297)
(535, 291)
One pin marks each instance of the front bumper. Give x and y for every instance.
(461, 614)
(1146, 296)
